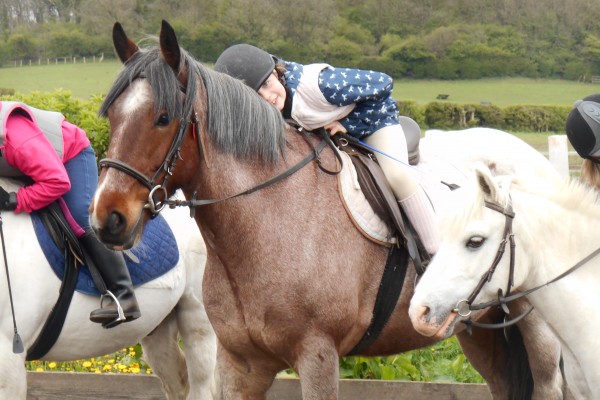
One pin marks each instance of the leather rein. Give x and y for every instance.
(465, 307)
(155, 205)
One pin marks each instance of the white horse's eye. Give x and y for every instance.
(475, 242)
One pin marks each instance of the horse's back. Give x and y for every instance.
(449, 157)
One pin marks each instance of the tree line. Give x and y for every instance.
(443, 39)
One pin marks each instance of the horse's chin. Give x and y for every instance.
(430, 328)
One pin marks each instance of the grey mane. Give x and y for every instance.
(239, 121)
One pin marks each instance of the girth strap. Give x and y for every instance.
(54, 324)
(389, 291)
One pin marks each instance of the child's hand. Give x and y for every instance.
(335, 128)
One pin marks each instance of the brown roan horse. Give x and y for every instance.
(289, 282)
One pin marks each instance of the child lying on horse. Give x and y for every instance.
(352, 101)
(57, 156)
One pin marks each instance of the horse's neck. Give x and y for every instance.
(283, 200)
(552, 237)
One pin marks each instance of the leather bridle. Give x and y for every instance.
(155, 204)
(465, 307)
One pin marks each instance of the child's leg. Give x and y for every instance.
(410, 195)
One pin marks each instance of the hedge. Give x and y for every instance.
(518, 118)
(439, 115)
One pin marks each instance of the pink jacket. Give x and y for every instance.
(27, 149)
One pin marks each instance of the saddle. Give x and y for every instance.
(78, 272)
(380, 197)
(58, 227)
(378, 192)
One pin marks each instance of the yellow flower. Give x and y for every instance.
(52, 365)
(39, 369)
(97, 371)
(106, 367)
(86, 364)
(135, 370)
(111, 361)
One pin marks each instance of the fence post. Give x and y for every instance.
(558, 154)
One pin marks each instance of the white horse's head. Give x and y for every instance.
(471, 236)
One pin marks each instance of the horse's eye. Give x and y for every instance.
(163, 120)
(475, 242)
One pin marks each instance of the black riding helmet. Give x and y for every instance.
(247, 63)
(583, 126)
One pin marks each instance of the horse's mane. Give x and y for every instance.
(570, 194)
(239, 121)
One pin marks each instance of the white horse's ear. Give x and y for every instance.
(486, 182)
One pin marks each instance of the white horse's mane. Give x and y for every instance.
(570, 194)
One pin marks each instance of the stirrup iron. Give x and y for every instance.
(121, 314)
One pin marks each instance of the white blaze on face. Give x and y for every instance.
(134, 100)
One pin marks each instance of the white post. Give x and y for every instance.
(558, 154)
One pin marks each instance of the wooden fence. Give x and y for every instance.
(89, 386)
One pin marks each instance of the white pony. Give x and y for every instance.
(171, 306)
(555, 226)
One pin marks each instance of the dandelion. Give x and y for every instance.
(107, 367)
(52, 365)
(86, 364)
(135, 370)
(39, 369)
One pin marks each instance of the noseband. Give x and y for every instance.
(155, 204)
(465, 307)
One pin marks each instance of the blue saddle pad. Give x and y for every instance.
(157, 253)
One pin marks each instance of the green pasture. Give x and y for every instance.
(501, 92)
(84, 80)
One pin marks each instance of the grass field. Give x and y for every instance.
(84, 80)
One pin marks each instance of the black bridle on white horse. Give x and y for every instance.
(465, 307)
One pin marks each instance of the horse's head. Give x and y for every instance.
(471, 235)
(158, 109)
(149, 133)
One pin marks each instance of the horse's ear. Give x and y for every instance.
(124, 46)
(169, 46)
(486, 182)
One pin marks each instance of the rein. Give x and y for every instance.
(465, 307)
(17, 342)
(155, 205)
(314, 155)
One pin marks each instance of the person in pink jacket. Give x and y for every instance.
(73, 175)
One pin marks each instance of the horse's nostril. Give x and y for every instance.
(115, 223)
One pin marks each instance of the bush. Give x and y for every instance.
(535, 118)
(413, 110)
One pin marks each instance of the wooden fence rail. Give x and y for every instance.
(89, 386)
